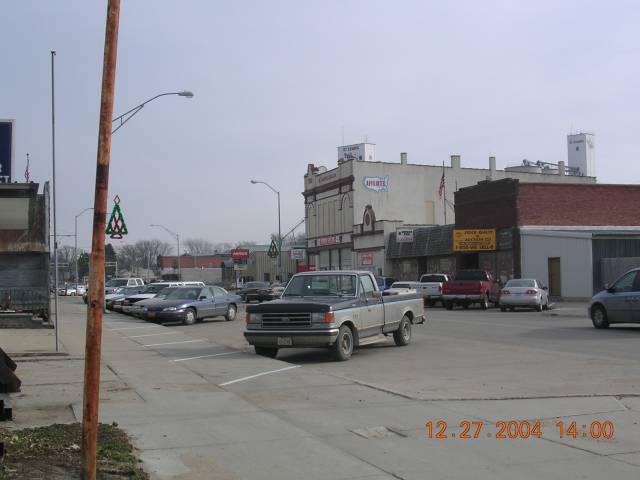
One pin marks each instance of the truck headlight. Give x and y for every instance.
(253, 318)
(322, 317)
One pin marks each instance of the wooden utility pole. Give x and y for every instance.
(96, 266)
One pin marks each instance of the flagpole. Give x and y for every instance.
(444, 195)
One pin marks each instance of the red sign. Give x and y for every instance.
(328, 240)
(240, 254)
(366, 258)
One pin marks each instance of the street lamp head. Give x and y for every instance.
(254, 182)
(186, 93)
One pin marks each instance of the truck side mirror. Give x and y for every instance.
(377, 294)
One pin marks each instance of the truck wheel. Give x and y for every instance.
(343, 348)
(266, 351)
(448, 305)
(402, 336)
(484, 303)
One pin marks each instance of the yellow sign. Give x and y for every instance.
(474, 240)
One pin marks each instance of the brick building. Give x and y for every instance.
(573, 237)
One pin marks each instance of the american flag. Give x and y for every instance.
(441, 187)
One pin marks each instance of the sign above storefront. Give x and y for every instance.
(474, 240)
(366, 259)
(328, 240)
(376, 184)
(297, 253)
(404, 235)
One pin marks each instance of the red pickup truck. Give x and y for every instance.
(471, 286)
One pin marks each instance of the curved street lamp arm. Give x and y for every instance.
(137, 108)
(174, 234)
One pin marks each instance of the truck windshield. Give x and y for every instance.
(117, 282)
(321, 286)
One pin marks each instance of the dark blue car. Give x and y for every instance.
(190, 304)
(384, 283)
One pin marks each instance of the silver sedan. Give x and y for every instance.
(524, 292)
(618, 302)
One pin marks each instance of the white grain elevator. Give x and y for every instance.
(582, 153)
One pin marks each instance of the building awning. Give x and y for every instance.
(427, 241)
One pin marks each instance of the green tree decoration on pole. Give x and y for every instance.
(117, 228)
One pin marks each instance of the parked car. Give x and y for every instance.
(618, 302)
(524, 292)
(119, 294)
(138, 307)
(471, 286)
(400, 288)
(190, 304)
(278, 289)
(340, 310)
(150, 291)
(114, 283)
(260, 291)
(67, 290)
(384, 283)
(81, 289)
(431, 287)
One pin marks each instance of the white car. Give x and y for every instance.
(524, 292)
(114, 283)
(401, 288)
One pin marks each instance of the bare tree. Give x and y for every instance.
(245, 243)
(223, 247)
(142, 254)
(199, 246)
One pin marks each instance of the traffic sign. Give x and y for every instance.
(273, 249)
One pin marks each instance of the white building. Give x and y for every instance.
(351, 209)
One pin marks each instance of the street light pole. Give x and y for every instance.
(177, 237)
(75, 245)
(53, 179)
(126, 116)
(279, 226)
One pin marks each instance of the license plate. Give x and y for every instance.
(284, 341)
(151, 315)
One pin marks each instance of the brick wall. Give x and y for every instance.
(487, 205)
(578, 205)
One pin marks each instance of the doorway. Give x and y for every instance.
(555, 280)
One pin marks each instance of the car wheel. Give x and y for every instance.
(599, 317)
(343, 348)
(503, 309)
(402, 336)
(190, 317)
(484, 304)
(448, 305)
(539, 307)
(266, 351)
(231, 313)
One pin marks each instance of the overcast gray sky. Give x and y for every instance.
(276, 81)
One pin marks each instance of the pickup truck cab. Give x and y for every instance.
(471, 286)
(340, 310)
(430, 284)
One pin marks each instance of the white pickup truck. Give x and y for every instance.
(430, 284)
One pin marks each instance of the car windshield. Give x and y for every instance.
(116, 282)
(521, 283)
(183, 294)
(432, 278)
(256, 285)
(478, 275)
(165, 292)
(321, 286)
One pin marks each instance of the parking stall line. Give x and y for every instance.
(258, 375)
(134, 328)
(155, 334)
(173, 343)
(205, 356)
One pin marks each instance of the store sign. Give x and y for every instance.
(328, 240)
(505, 239)
(404, 236)
(376, 184)
(474, 240)
(7, 135)
(240, 254)
(366, 259)
(240, 266)
(297, 253)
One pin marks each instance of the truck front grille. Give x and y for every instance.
(286, 320)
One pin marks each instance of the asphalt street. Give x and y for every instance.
(207, 407)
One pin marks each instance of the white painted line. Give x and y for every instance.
(205, 356)
(154, 334)
(133, 328)
(258, 375)
(173, 343)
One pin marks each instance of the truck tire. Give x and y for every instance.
(266, 351)
(402, 336)
(448, 305)
(343, 348)
(484, 303)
